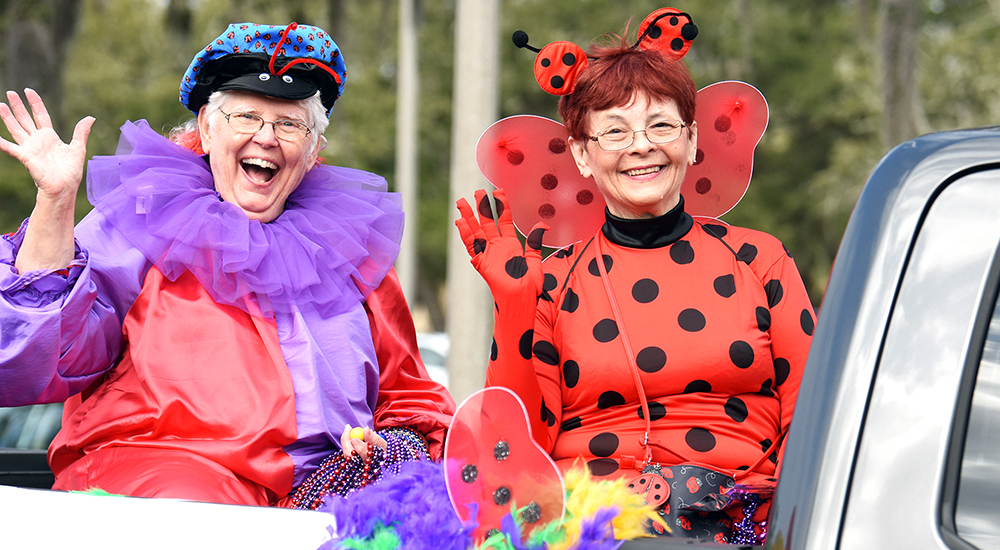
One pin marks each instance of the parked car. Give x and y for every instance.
(896, 436)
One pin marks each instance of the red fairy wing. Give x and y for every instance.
(492, 462)
(529, 158)
(732, 117)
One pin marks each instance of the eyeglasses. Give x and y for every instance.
(284, 129)
(616, 139)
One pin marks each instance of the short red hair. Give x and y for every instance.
(620, 73)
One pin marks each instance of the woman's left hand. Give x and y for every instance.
(356, 440)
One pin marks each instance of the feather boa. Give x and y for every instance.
(412, 510)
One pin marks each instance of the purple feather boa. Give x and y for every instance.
(414, 503)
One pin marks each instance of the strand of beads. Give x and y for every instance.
(338, 475)
(747, 531)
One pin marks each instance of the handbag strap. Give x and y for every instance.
(637, 380)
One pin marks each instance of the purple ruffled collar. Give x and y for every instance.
(332, 245)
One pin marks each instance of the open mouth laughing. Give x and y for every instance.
(259, 170)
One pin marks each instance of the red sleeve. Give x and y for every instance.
(407, 396)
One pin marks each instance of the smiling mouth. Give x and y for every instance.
(643, 171)
(259, 170)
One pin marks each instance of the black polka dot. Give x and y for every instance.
(547, 415)
(549, 283)
(592, 266)
(741, 354)
(602, 466)
(763, 319)
(584, 197)
(716, 230)
(774, 292)
(610, 399)
(604, 444)
(557, 146)
(546, 352)
(782, 368)
(645, 291)
(656, 411)
(515, 157)
(681, 252)
(516, 267)
(723, 124)
(534, 239)
(703, 186)
(699, 157)
(725, 286)
(651, 359)
(571, 301)
(484, 204)
(569, 59)
(565, 252)
(547, 211)
(806, 319)
(698, 386)
(736, 409)
(571, 424)
(524, 344)
(500, 206)
(605, 330)
(747, 253)
(677, 44)
(478, 246)
(549, 182)
(765, 389)
(691, 320)
(557, 82)
(700, 439)
(655, 32)
(493, 350)
(571, 373)
(545, 62)
(765, 445)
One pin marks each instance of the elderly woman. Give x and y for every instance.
(220, 321)
(663, 349)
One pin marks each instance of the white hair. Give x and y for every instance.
(316, 117)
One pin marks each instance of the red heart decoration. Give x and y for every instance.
(491, 463)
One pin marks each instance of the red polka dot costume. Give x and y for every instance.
(719, 323)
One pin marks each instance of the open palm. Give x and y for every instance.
(56, 167)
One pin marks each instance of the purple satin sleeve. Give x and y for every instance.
(61, 329)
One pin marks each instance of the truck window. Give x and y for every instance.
(978, 507)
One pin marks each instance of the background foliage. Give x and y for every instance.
(819, 63)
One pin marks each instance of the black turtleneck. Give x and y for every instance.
(648, 232)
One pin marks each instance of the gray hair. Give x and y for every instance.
(316, 117)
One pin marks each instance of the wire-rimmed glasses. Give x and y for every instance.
(618, 138)
(284, 129)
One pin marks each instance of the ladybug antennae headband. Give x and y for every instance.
(558, 64)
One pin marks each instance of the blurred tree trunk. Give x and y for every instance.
(898, 54)
(36, 36)
(743, 64)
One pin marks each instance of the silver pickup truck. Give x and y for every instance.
(896, 436)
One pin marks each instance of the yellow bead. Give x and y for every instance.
(357, 433)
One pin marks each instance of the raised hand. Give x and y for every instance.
(56, 167)
(509, 268)
(57, 170)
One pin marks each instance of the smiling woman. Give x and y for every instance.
(665, 349)
(227, 312)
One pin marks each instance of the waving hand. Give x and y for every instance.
(57, 170)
